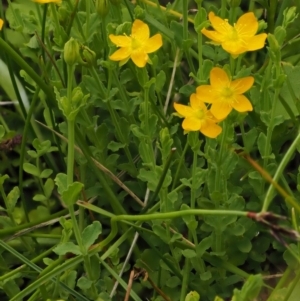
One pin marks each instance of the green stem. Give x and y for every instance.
(185, 280)
(270, 130)
(285, 160)
(272, 15)
(55, 17)
(70, 175)
(180, 164)
(22, 151)
(87, 21)
(185, 9)
(220, 159)
(223, 9)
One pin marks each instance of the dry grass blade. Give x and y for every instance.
(99, 166)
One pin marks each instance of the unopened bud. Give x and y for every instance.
(71, 52)
(102, 7)
(89, 56)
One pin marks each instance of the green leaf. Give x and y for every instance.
(31, 169)
(250, 289)
(177, 29)
(187, 253)
(84, 283)
(41, 147)
(204, 244)
(3, 178)
(69, 278)
(12, 199)
(40, 198)
(90, 234)
(205, 276)
(70, 196)
(244, 245)
(160, 81)
(173, 282)
(261, 143)
(115, 146)
(201, 20)
(166, 144)
(46, 173)
(61, 182)
(67, 247)
(250, 138)
(160, 231)
(48, 187)
(290, 259)
(2, 131)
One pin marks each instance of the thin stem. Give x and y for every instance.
(70, 175)
(87, 22)
(180, 164)
(223, 9)
(185, 280)
(285, 160)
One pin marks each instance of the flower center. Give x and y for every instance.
(227, 93)
(200, 114)
(135, 44)
(234, 35)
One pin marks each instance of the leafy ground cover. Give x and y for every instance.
(149, 152)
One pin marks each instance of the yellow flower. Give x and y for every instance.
(198, 118)
(136, 46)
(238, 38)
(48, 1)
(224, 94)
(1, 23)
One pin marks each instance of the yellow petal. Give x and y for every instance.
(219, 78)
(257, 42)
(247, 25)
(213, 35)
(121, 54)
(210, 129)
(220, 25)
(242, 85)
(120, 41)
(184, 111)
(242, 104)
(220, 110)
(235, 47)
(191, 124)
(140, 31)
(140, 58)
(1, 23)
(197, 103)
(153, 43)
(206, 93)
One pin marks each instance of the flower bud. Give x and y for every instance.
(89, 56)
(102, 7)
(289, 16)
(139, 13)
(71, 52)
